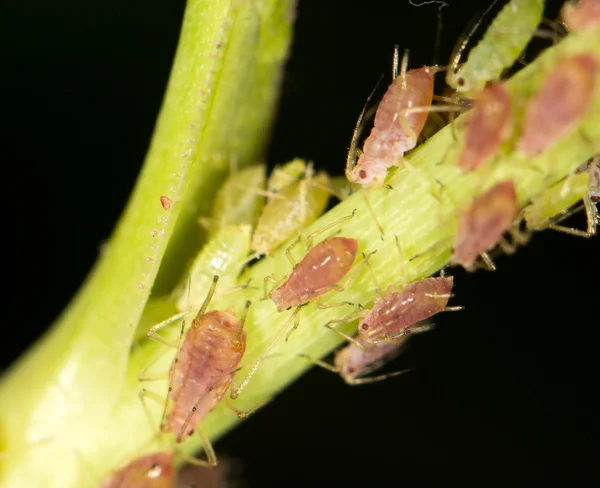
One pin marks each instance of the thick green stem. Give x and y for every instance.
(217, 109)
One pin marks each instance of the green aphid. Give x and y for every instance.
(502, 44)
(224, 255)
(239, 201)
(556, 203)
(290, 210)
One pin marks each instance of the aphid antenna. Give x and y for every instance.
(373, 215)
(235, 391)
(439, 22)
(462, 45)
(344, 320)
(351, 158)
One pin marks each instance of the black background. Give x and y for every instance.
(501, 392)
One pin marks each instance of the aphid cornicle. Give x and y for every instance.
(154, 470)
(560, 103)
(481, 227)
(202, 370)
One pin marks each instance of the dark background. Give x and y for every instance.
(501, 392)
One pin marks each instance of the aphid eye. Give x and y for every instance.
(364, 326)
(289, 308)
(362, 174)
(460, 82)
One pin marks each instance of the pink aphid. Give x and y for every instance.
(484, 223)
(396, 128)
(560, 103)
(583, 15)
(319, 271)
(487, 127)
(394, 314)
(359, 359)
(199, 379)
(154, 470)
(593, 166)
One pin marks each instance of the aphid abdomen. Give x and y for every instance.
(583, 15)
(397, 311)
(154, 470)
(207, 362)
(319, 271)
(487, 129)
(561, 101)
(483, 224)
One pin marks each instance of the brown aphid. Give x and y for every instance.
(165, 202)
(208, 358)
(394, 314)
(319, 271)
(560, 103)
(154, 470)
(395, 129)
(203, 369)
(483, 224)
(488, 127)
(582, 15)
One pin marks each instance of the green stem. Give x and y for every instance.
(217, 109)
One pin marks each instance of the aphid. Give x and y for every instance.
(396, 127)
(285, 175)
(562, 100)
(165, 202)
(154, 470)
(503, 42)
(224, 255)
(319, 272)
(396, 312)
(488, 127)
(232, 206)
(554, 205)
(580, 16)
(300, 203)
(359, 358)
(481, 227)
(202, 371)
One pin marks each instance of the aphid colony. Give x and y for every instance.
(248, 224)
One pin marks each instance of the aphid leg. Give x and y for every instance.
(151, 334)
(487, 260)
(592, 220)
(241, 414)
(211, 457)
(375, 379)
(267, 295)
(312, 235)
(295, 325)
(235, 391)
(143, 376)
(344, 320)
(372, 212)
(143, 395)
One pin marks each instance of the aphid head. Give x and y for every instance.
(367, 177)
